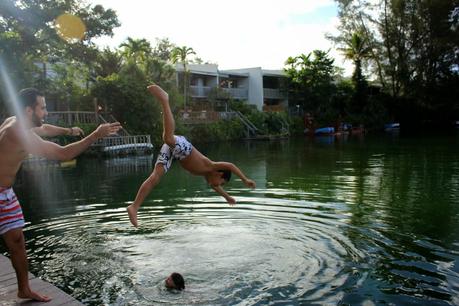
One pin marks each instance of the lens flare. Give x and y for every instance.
(9, 93)
(70, 28)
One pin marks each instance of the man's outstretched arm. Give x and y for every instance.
(49, 130)
(37, 146)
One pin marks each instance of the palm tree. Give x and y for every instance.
(158, 70)
(136, 49)
(357, 49)
(180, 54)
(108, 62)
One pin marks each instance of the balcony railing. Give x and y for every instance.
(203, 92)
(271, 93)
(199, 91)
(237, 93)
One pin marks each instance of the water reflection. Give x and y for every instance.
(345, 222)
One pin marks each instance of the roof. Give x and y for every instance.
(278, 73)
(208, 69)
(228, 73)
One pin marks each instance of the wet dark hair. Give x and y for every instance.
(28, 97)
(226, 175)
(178, 280)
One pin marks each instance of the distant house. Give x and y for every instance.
(262, 88)
(54, 71)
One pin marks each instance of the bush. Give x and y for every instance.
(216, 131)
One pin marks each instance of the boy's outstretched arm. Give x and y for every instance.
(224, 194)
(234, 169)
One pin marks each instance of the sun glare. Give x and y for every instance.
(70, 28)
(9, 93)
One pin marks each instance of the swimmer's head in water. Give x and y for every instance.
(175, 281)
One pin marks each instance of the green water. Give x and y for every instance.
(352, 221)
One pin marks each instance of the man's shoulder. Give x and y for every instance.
(10, 133)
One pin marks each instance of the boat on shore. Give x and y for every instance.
(392, 127)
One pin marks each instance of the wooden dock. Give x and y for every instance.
(8, 289)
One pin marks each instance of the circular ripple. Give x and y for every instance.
(261, 250)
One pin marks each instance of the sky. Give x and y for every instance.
(233, 34)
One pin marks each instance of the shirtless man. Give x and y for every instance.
(177, 147)
(17, 140)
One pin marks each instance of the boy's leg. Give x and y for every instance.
(14, 240)
(168, 118)
(143, 192)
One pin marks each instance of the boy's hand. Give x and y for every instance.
(158, 92)
(250, 183)
(231, 201)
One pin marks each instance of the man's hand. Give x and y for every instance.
(250, 183)
(107, 129)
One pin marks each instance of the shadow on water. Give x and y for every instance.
(336, 221)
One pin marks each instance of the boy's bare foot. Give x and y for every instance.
(132, 212)
(158, 92)
(33, 296)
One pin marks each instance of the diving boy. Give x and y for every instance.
(178, 147)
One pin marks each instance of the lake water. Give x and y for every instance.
(352, 222)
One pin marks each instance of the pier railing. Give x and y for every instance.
(123, 145)
(122, 140)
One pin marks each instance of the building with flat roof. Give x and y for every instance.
(264, 89)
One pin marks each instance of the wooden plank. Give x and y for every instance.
(8, 289)
(5, 266)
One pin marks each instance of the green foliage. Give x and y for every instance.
(217, 131)
(243, 107)
(31, 23)
(181, 54)
(127, 98)
(296, 126)
(412, 50)
(30, 44)
(310, 80)
(135, 50)
(159, 71)
(312, 83)
(163, 49)
(108, 62)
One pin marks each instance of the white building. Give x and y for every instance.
(265, 89)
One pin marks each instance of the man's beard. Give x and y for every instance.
(36, 121)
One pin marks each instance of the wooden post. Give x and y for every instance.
(96, 110)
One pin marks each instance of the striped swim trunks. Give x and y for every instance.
(10, 211)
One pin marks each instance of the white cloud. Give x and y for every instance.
(234, 34)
